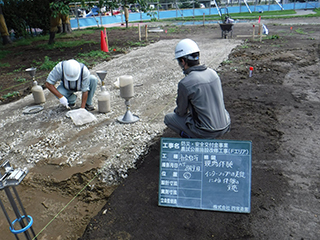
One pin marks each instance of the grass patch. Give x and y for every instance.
(263, 15)
(67, 44)
(226, 62)
(247, 15)
(19, 69)
(135, 44)
(76, 33)
(114, 49)
(8, 95)
(86, 62)
(300, 31)
(276, 45)
(273, 36)
(4, 53)
(20, 80)
(94, 54)
(4, 65)
(30, 40)
(47, 64)
(92, 58)
(173, 29)
(253, 15)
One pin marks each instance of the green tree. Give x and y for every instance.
(24, 17)
(3, 29)
(59, 19)
(111, 5)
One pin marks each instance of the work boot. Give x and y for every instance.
(184, 135)
(72, 105)
(89, 107)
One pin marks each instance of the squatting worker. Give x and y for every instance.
(74, 77)
(200, 110)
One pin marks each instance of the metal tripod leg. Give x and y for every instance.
(7, 217)
(23, 210)
(10, 177)
(17, 213)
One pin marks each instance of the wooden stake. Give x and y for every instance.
(204, 18)
(126, 14)
(260, 26)
(107, 39)
(139, 33)
(248, 36)
(253, 32)
(146, 27)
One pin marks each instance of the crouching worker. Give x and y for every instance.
(74, 77)
(200, 110)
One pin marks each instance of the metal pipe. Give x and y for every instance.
(77, 15)
(22, 208)
(193, 8)
(158, 10)
(16, 211)
(7, 216)
(245, 2)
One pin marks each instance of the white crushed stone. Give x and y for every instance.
(32, 138)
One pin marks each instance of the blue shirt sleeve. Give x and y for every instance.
(55, 75)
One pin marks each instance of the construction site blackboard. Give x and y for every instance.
(205, 174)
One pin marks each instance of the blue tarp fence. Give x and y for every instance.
(135, 17)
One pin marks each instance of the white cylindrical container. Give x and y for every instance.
(38, 94)
(104, 100)
(126, 87)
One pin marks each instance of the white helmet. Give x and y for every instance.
(186, 47)
(71, 70)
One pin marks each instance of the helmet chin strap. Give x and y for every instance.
(181, 65)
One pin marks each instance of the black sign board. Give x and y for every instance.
(205, 174)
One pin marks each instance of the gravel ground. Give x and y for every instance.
(53, 148)
(54, 136)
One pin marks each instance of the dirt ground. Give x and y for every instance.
(277, 109)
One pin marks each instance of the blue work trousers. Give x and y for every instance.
(72, 97)
(179, 125)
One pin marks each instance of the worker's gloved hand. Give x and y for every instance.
(64, 101)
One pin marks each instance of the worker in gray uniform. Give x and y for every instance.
(74, 77)
(200, 110)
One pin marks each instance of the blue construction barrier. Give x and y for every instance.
(135, 17)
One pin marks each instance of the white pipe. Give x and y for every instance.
(245, 2)
(279, 5)
(215, 3)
